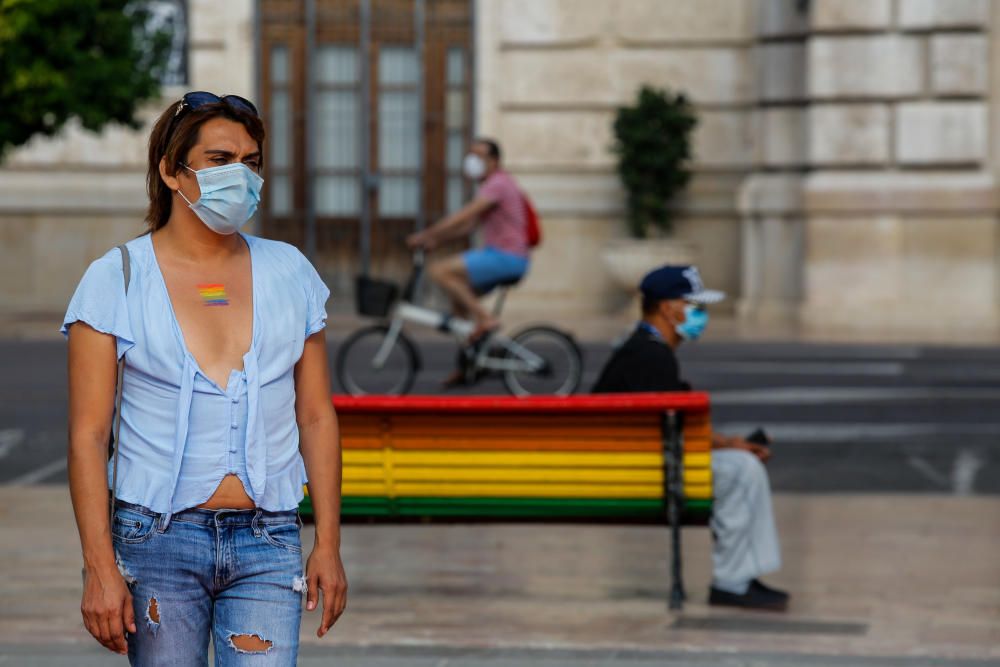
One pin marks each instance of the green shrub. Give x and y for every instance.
(92, 59)
(653, 145)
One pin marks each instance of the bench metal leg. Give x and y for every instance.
(677, 593)
(673, 457)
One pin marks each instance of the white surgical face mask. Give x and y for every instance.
(229, 197)
(473, 167)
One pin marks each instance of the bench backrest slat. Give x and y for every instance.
(574, 457)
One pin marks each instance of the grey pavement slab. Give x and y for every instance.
(430, 656)
(875, 580)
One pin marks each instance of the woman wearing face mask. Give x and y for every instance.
(225, 412)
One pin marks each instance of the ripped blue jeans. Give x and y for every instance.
(234, 575)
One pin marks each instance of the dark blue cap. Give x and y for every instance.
(678, 282)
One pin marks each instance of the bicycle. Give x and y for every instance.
(382, 359)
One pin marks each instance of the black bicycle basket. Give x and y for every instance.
(375, 297)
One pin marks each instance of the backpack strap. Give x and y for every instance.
(127, 271)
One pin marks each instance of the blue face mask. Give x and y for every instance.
(229, 197)
(695, 321)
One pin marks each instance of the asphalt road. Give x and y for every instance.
(844, 418)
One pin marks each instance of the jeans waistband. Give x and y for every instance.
(214, 517)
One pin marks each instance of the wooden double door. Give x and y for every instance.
(368, 106)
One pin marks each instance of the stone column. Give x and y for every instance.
(770, 200)
(772, 250)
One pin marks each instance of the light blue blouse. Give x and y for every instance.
(181, 432)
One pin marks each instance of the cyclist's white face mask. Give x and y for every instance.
(473, 167)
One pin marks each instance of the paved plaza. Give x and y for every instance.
(876, 579)
(887, 480)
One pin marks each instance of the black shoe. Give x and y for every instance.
(456, 379)
(760, 585)
(756, 597)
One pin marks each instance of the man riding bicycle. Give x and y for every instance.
(499, 206)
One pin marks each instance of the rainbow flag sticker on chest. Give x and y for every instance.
(213, 294)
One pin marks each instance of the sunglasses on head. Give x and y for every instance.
(200, 98)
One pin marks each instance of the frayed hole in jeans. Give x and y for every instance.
(250, 643)
(126, 575)
(153, 615)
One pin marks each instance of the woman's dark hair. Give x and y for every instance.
(173, 140)
(492, 147)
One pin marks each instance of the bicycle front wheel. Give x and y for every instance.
(359, 369)
(544, 361)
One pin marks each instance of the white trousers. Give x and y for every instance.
(746, 540)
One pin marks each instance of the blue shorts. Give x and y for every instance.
(488, 267)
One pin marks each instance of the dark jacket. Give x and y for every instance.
(643, 363)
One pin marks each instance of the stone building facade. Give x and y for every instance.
(874, 206)
(846, 171)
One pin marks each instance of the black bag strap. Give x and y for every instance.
(127, 271)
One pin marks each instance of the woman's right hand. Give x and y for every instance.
(107, 608)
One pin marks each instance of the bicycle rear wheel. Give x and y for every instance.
(358, 373)
(561, 369)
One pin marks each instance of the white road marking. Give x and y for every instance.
(827, 395)
(927, 470)
(808, 352)
(858, 431)
(963, 475)
(881, 369)
(39, 474)
(9, 439)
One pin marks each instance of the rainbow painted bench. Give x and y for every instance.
(600, 458)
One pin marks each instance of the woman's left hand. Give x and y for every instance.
(325, 572)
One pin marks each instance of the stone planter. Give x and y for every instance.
(628, 260)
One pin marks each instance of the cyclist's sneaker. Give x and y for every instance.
(456, 379)
(483, 330)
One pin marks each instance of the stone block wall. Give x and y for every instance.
(550, 74)
(894, 194)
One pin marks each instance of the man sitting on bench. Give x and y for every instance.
(746, 540)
